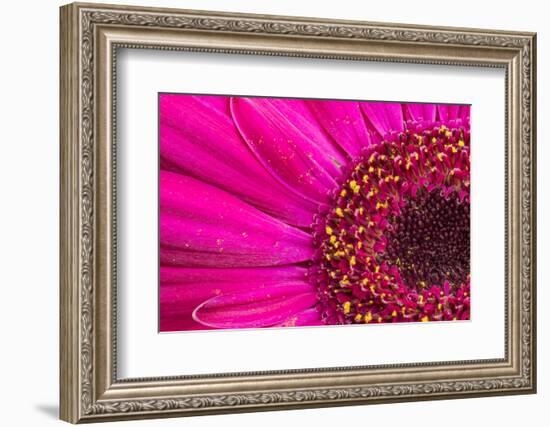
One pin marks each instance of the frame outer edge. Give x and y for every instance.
(69, 355)
(534, 269)
(77, 225)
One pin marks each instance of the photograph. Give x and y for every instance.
(277, 212)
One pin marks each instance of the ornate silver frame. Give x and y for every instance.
(90, 36)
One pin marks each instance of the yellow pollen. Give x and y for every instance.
(394, 313)
(359, 244)
(440, 156)
(454, 150)
(439, 306)
(332, 239)
(343, 193)
(448, 134)
(361, 229)
(352, 260)
(358, 317)
(361, 210)
(368, 317)
(339, 212)
(434, 139)
(328, 230)
(347, 307)
(365, 178)
(327, 256)
(371, 169)
(377, 268)
(425, 319)
(421, 299)
(396, 179)
(461, 143)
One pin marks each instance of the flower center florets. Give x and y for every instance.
(394, 246)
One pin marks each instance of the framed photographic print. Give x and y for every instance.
(265, 212)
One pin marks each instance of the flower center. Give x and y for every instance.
(429, 240)
(394, 246)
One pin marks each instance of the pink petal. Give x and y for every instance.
(198, 137)
(421, 112)
(343, 121)
(254, 309)
(309, 317)
(288, 141)
(203, 226)
(464, 113)
(385, 117)
(182, 289)
(451, 112)
(267, 275)
(177, 322)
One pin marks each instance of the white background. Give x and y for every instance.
(29, 170)
(145, 353)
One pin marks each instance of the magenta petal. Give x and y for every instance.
(288, 141)
(464, 113)
(449, 112)
(177, 322)
(385, 117)
(182, 289)
(269, 275)
(309, 317)
(254, 309)
(202, 226)
(343, 121)
(198, 137)
(422, 112)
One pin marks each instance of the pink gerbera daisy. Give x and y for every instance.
(283, 212)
